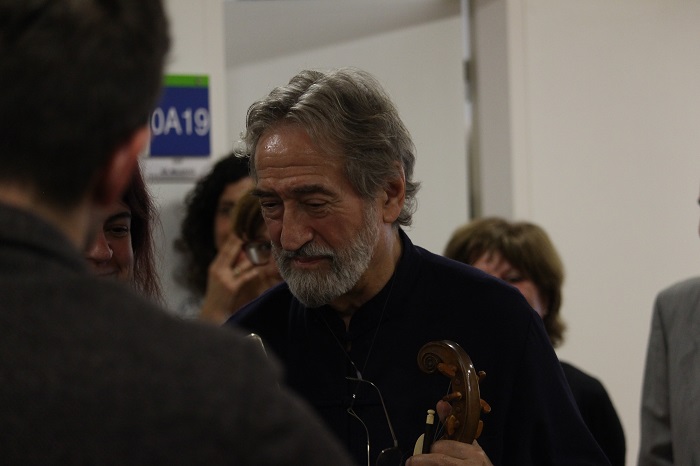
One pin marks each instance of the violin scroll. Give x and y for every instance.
(450, 360)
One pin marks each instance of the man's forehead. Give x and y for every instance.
(302, 174)
(284, 137)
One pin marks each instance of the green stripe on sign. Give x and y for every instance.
(182, 80)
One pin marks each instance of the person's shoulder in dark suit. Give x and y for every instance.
(598, 412)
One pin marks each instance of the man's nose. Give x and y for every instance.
(295, 230)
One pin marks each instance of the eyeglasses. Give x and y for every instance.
(389, 456)
(258, 252)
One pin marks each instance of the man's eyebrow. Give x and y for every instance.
(311, 189)
(261, 193)
(299, 191)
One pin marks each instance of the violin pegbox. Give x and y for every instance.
(449, 359)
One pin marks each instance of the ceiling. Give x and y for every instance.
(262, 29)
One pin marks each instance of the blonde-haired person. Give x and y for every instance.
(244, 267)
(522, 254)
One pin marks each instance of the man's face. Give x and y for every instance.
(323, 233)
(111, 254)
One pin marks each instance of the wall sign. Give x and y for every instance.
(180, 124)
(180, 146)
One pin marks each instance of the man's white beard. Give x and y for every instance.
(314, 288)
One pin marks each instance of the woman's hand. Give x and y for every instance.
(233, 281)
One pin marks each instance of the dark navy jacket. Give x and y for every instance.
(533, 421)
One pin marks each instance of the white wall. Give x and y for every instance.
(602, 149)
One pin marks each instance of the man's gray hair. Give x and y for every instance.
(347, 113)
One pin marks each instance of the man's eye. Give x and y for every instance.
(271, 209)
(315, 204)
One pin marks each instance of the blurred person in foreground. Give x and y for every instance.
(91, 372)
(522, 254)
(333, 167)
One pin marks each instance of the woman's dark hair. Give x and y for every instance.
(196, 242)
(143, 219)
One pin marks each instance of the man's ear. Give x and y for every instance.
(394, 196)
(117, 174)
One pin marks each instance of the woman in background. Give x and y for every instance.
(244, 271)
(205, 230)
(123, 248)
(522, 254)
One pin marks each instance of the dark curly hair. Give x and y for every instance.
(196, 242)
